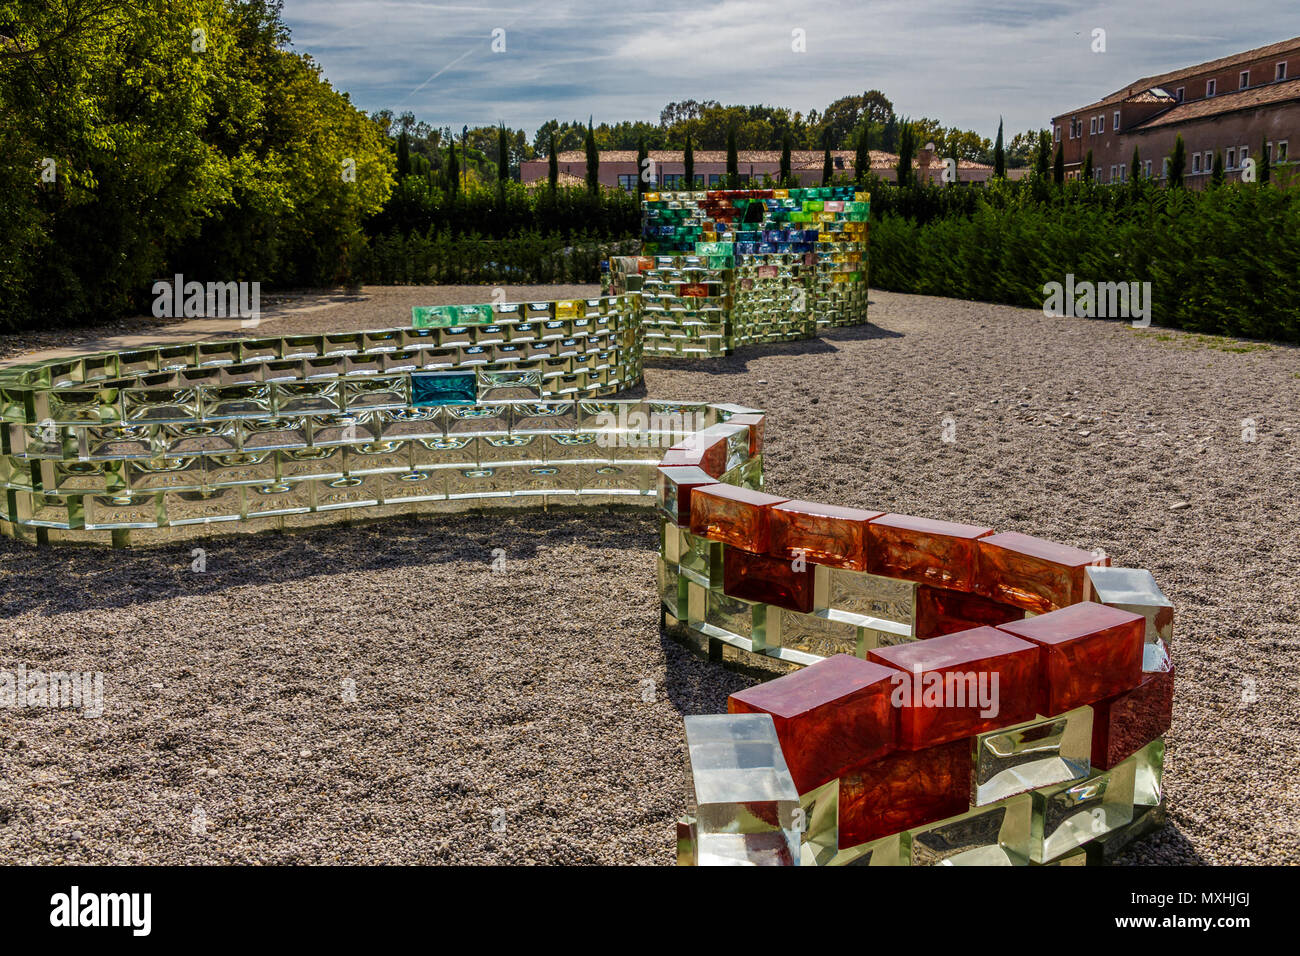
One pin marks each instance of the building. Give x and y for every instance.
(1236, 105)
(618, 167)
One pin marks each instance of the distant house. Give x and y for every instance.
(1233, 106)
(618, 167)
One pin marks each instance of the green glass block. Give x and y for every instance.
(700, 559)
(442, 316)
(996, 835)
(1149, 811)
(443, 388)
(864, 595)
(1073, 814)
(672, 590)
(1028, 756)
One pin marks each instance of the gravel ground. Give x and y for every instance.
(377, 693)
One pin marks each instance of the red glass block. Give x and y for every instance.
(703, 451)
(675, 485)
(919, 549)
(694, 290)
(826, 534)
(735, 516)
(940, 611)
(1031, 573)
(755, 423)
(829, 716)
(1123, 725)
(1089, 652)
(961, 684)
(765, 580)
(902, 790)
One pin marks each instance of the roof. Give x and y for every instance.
(1225, 103)
(799, 158)
(1187, 72)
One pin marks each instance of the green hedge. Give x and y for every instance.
(530, 259)
(1222, 261)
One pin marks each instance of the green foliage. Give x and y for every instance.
(1058, 166)
(593, 162)
(552, 166)
(688, 163)
(999, 156)
(733, 171)
(472, 259)
(1177, 163)
(784, 171)
(862, 155)
(1003, 245)
(906, 150)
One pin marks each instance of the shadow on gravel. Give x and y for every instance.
(1167, 847)
(735, 363)
(54, 580)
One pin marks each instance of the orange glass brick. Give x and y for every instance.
(920, 549)
(735, 516)
(708, 452)
(755, 423)
(903, 790)
(829, 716)
(767, 580)
(1032, 573)
(941, 611)
(824, 534)
(1124, 724)
(1089, 652)
(962, 684)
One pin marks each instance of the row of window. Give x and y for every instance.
(1097, 124)
(1202, 162)
(673, 181)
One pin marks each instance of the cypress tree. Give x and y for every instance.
(785, 158)
(403, 154)
(999, 155)
(862, 158)
(1216, 172)
(1058, 166)
(553, 166)
(1043, 161)
(828, 168)
(1087, 167)
(733, 161)
(641, 156)
(1178, 163)
(906, 150)
(1265, 170)
(503, 158)
(1136, 167)
(593, 161)
(688, 163)
(453, 170)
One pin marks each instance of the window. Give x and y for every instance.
(1281, 71)
(1231, 161)
(1123, 171)
(1211, 87)
(1058, 134)
(1092, 127)
(674, 180)
(1245, 79)
(1164, 169)
(627, 182)
(1243, 154)
(1146, 169)
(1178, 93)
(1196, 162)
(1096, 174)
(1112, 174)
(715, 178)
(1115, 125)
(1101, 123)
(1282, 151)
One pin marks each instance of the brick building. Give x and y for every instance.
(618, 167)
(1232, 105)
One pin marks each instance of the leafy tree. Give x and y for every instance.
(1177, 163)
(999, 156)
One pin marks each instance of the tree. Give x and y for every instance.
(1136, 165)
(906, 151)
(785, 160)
(1058, 166)
(642, 165)
(999, 156)
(453, 170)
(593, 161)
(733, 161)
(1216, 172)
(1043, 160)
(1265, 171)
(688, 163)
(862, 157)
(553, 166)
(828, 168)
(403, 154)
(1178, 163)
(503, 159)
(1087, 167)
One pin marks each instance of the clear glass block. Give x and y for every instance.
(1038, 753)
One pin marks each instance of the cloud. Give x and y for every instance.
(964, 62)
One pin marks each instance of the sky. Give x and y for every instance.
(963, 62)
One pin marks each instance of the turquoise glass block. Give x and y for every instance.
(443, 388)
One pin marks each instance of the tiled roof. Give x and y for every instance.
(1210, 66)
(799, 158)
(1225, 103)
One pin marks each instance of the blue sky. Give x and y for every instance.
(958, 61)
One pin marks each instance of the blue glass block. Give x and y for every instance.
(443, 388)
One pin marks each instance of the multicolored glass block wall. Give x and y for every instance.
(726, 268)
(955, 696)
